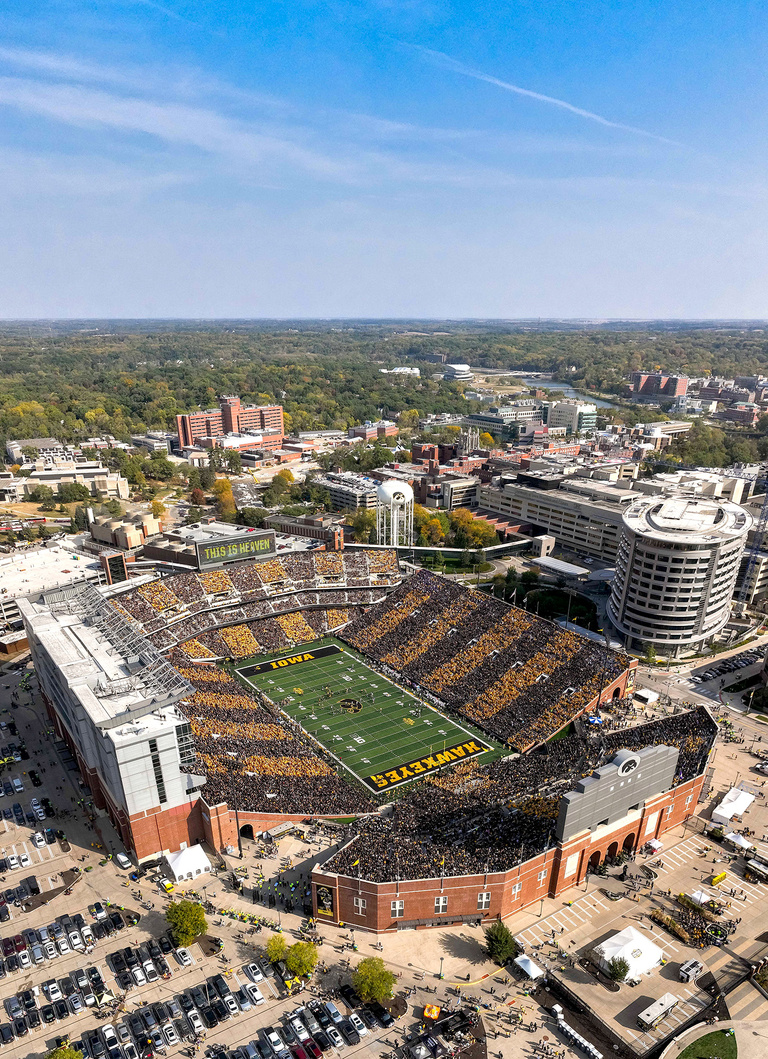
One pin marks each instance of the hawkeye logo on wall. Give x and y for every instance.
(424, 765)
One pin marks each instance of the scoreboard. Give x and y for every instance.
(230, 549)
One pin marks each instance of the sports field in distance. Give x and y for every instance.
(377, 730)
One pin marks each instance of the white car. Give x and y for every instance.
(299, 1028)
(358, 1023)
(24, 860)
(50, 950)
(195, 1021)
(63, 946)
(334, 1037)
(25, 960)
(138, 976)
(231, 1004)
(74, 939)
(254, 993)
(13, 861)
(35, 803)
(87, 934)
(184, 956)
(109, 1035)
(52, 990)
(170, 1034)
(38, 840)
(122, 860)
(253, 972)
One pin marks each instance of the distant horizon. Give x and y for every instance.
(596, 320)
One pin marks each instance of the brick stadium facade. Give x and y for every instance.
(496, 895)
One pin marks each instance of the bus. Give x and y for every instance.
(657, 1012)
(758, 870)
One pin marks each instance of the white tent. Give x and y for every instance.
(188, 863)
(526, 964)
(738, 840)
(735, 802)
(629, 944)
(700, 897)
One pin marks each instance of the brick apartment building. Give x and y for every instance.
(655, 384)
(233, 417)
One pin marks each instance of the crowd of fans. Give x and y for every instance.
(252, 759)
(195, 649)
(518, 677)
(474, 818)
(240, 641)
(295, 628)
(266, 586)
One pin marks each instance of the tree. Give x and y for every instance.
(207, 477)
(301, 959)
(194, 515)
(529, 578)
(252, 516)
(486, 440)
(64, 1052)
(372, 981)
(233, 461)
(408, 420)
(286, 476)
(500, 943)
(40, 493)
(759, 700)
(650, 654)
(158, 508)
(363, 523)
(277, 947)
(69, 492)
(187, 921)
(618, 969)
(197, 496)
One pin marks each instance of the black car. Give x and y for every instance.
(208, 1015)
(12, 963)
(321, 1040)
(33, 1019)
(5, 915)
(153, 948)
(3, 865)
(220, 984)
(47, 1014)
(125, 982)
(67, 986)
(348, 1032)
(49, 836)
(136, 1026)
(98, 931)
(288, 1035)
(27, 999)
(107, 926)
(116, 920)
(322, 1016)
(351, 997)
(61, 1008)
(220, 1010)
(6, 1034)
(161, 1012)
(381, 1013)
(32, 885)
(118, 962)
(78, 920)
(36, 781)
(165, 945)
(22, 893)
(187, 1003)
(20, 1027)
(199, 997)
(162, 966)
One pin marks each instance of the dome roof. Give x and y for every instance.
(393, 490)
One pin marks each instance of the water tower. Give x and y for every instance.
(394, 514)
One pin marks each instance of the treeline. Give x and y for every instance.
(73, 384)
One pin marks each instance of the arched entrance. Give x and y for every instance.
(613, 850)
(616, 694)
(246, 831)
(629, 843)
(595, 859)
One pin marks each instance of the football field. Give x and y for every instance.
(375, 729)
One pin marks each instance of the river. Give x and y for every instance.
(567, 391)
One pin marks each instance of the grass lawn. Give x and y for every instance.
(712, 1044)
(381, 733)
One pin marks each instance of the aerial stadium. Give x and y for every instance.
(220, 702)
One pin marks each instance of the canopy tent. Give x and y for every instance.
(188, 863)
(735, 802)
(655, 845)
(738, 840)
(629, 944)
(700, 897)
(527, 965)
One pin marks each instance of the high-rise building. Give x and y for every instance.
(656, 384)
(233, 417)
(676, 569)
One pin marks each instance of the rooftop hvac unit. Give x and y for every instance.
(133, 663)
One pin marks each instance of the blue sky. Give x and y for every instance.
(383, 158)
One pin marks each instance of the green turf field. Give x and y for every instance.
(377, 730)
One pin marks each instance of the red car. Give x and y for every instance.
(8, 949)
(298, 1052)
(19, 943)
(312, 1048)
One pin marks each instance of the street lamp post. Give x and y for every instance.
(441, 975)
